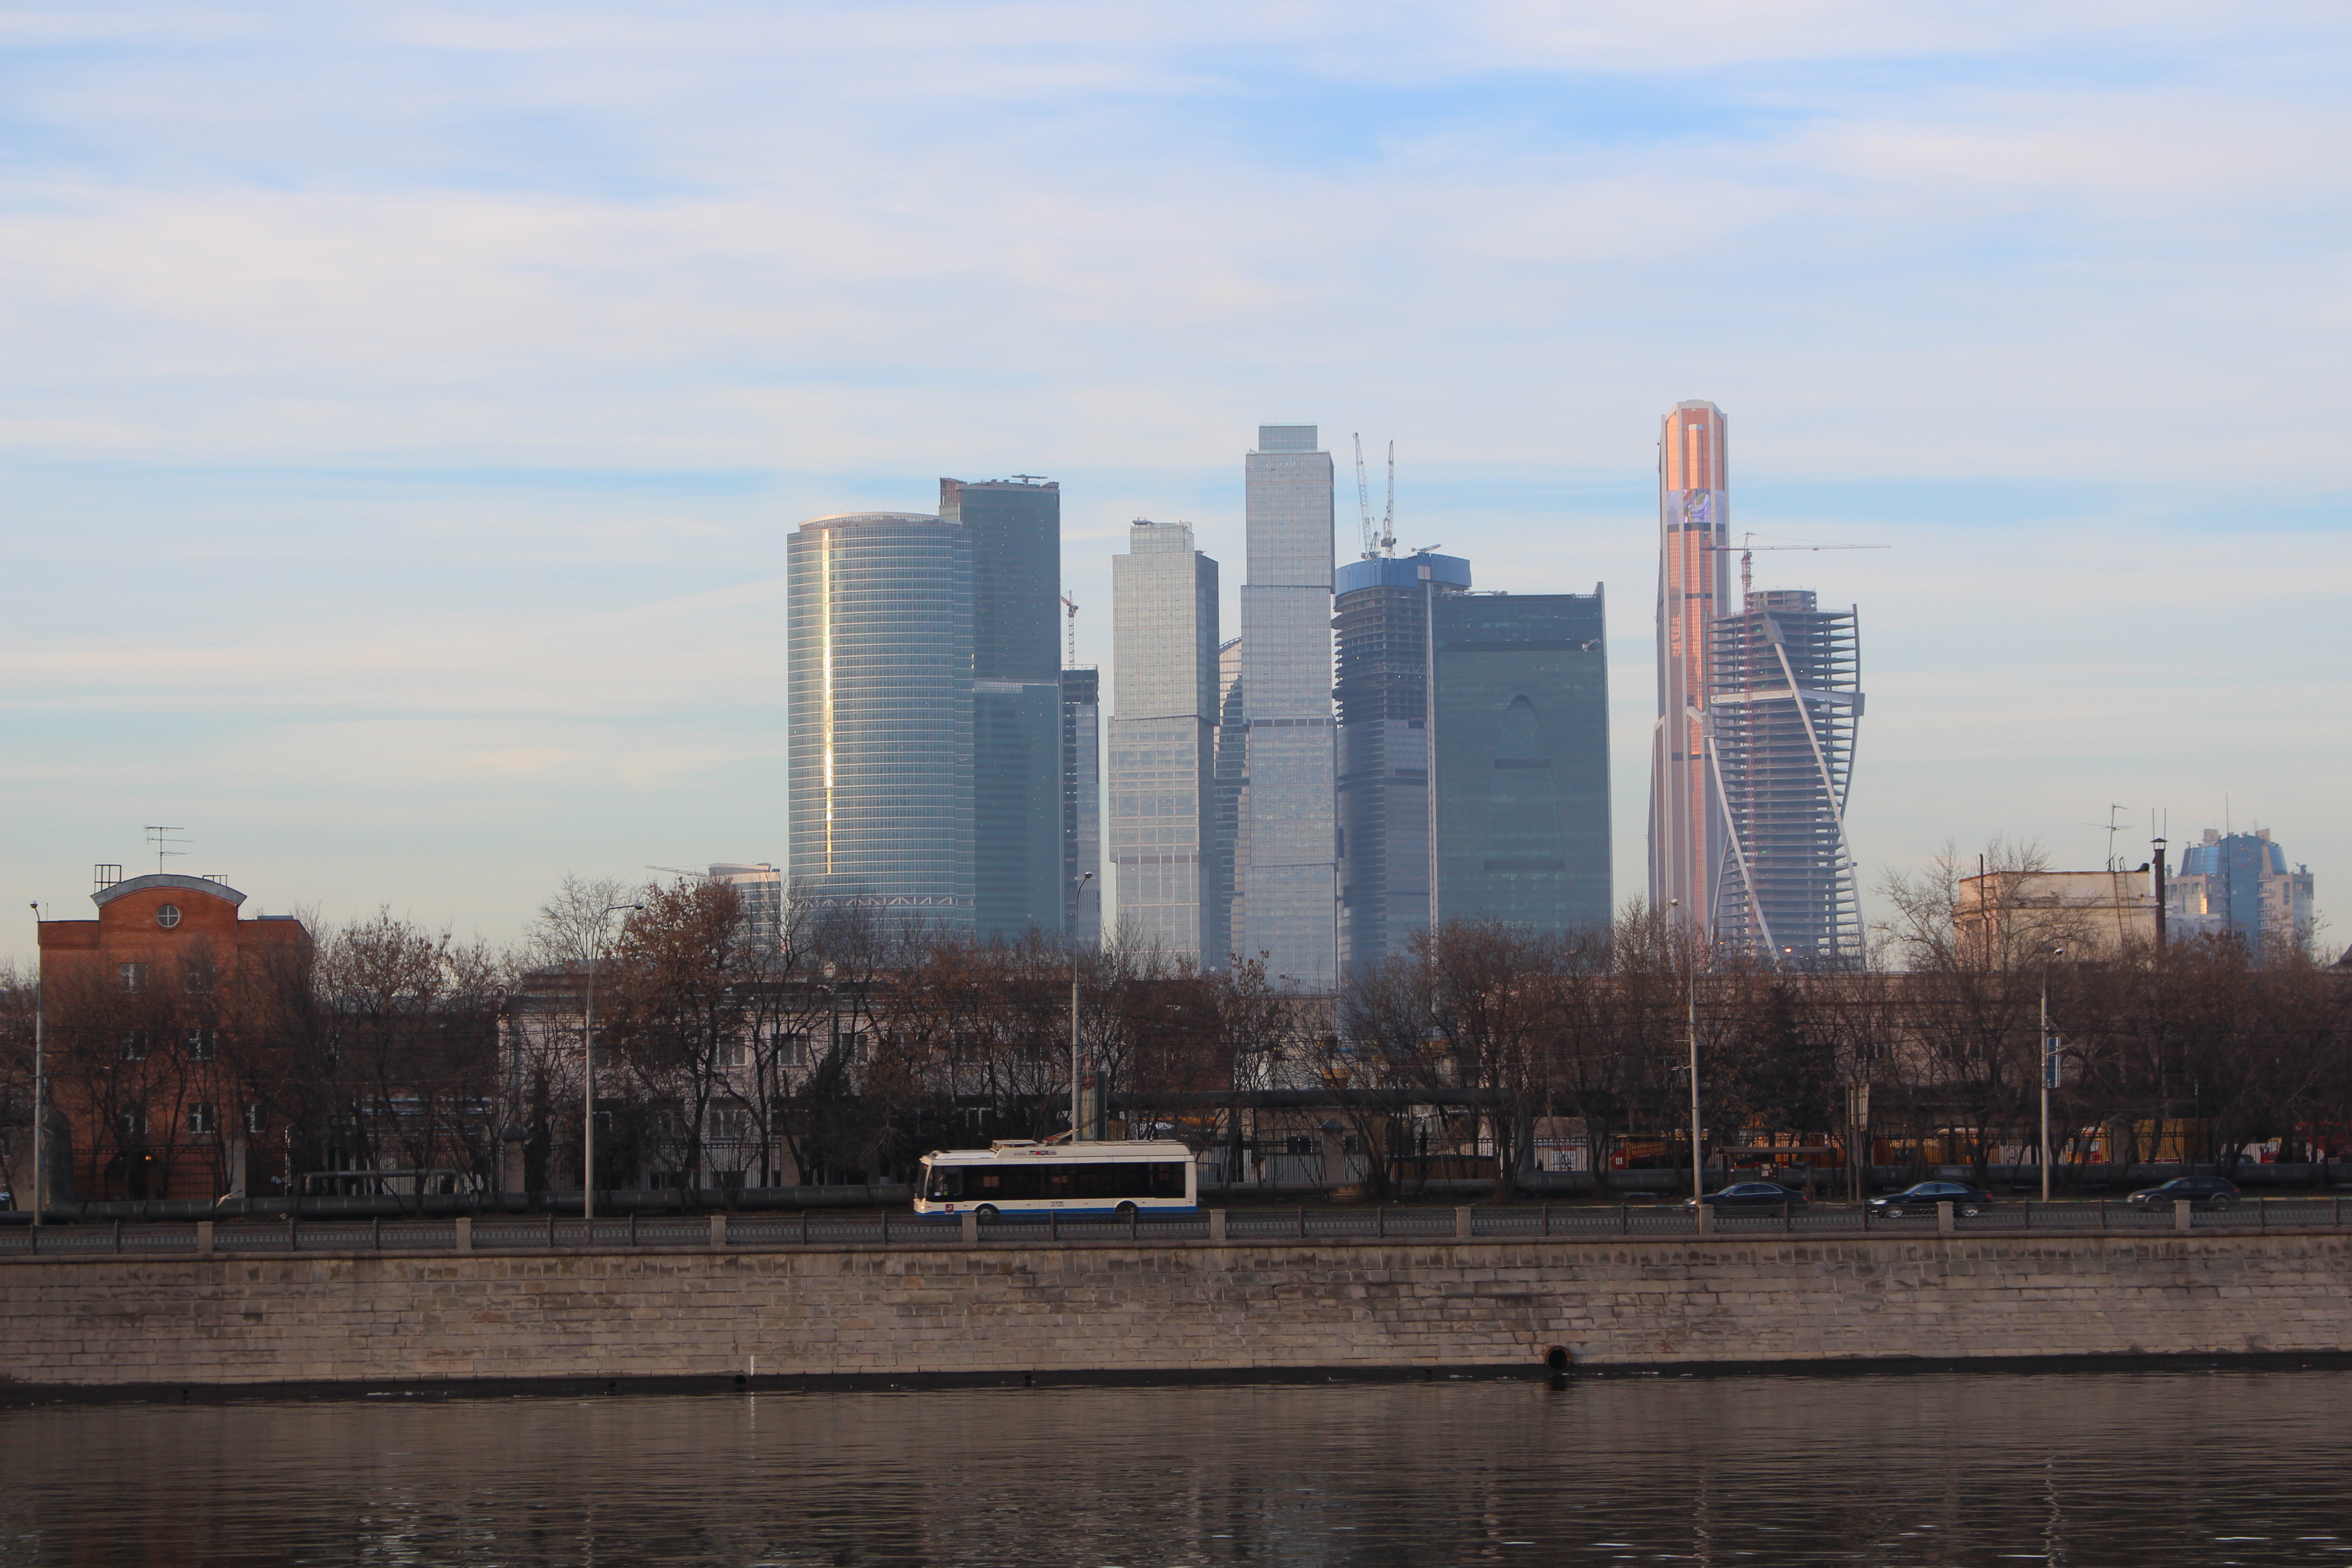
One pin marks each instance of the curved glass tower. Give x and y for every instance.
(880, 607)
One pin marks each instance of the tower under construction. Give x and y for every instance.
(1779, 720)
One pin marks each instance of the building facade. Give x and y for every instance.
(761, 887)
(2239, 883)
(1780, 719)
(1082, 806)
(1380, 611)
(1233, 795)
(1163, 744)
(1520, 685)
(159, 1013)
(880, 729)
(1014, 529)
(1289, 886)
(1694, 589)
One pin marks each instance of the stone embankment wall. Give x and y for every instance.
(1188, 1307)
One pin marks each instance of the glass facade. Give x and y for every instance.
(1014, 527)
(1693, 588)
(1380, 614)
(1521, 686)
(879, 738)
(1082, 806)
(1163, 744)
(1232, 794)
(1289, 886)
(1781, 727)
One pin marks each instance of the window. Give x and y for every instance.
(132, 1125)
(731, 1054)
(135, 1045)
(729, 1124)
(257, 1119)
(791, 1048)
(199, 1045)
(197, 977)
(201, 1120)
(133, 975)
(168, 916)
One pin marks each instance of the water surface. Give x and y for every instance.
(2189, 1467)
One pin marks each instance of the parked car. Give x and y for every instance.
(2204, 1192)
(1921, 1198)
(1750, 1196)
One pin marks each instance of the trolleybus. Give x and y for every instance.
(1017, 1176)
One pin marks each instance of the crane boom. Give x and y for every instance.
(1388, 522)
(1748, 547)
(1364, 501)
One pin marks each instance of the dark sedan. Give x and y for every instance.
(2204, 1192)
(1921, 1198)
(1751, 1195)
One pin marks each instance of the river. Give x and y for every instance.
(2125, 1467)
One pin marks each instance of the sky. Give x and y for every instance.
(405, 408)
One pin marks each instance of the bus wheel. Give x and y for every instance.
(1124, 1211)
(984, 1213)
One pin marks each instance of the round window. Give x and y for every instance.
(168, 916)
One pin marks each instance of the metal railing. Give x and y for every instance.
(1351, 1224)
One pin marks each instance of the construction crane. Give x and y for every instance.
(697, 876)
(1070, 606)
(1383, 539)
(1748, 547)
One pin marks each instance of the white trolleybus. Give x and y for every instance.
(1018, 1177)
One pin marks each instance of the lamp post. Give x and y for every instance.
(1074, 1011)
(588, 1073)
(40, 1082)
(1698, 1188)
(2049, 1064)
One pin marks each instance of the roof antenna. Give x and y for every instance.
(160, 835)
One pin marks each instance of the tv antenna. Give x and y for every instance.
(1070, 607)
(2113, 827)
(160, 836)
(1030, 479)
(1383, 539)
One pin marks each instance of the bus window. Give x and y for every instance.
(946, 1184)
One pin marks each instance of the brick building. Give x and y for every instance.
(153, 1009)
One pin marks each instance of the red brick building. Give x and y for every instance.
(156, 1011)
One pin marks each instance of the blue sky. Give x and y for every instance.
(406, 406)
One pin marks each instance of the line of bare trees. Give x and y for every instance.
(842, 1046)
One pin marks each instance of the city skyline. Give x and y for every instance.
(410, 417)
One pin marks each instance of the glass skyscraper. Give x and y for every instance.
(1082, 806)
(1163, 744)
(1380, 611)
(1290, 885)
(1521, 706)
(1780, 723)
(879, 735)
(1693, 588)
(1014, 527)
(1233, 795)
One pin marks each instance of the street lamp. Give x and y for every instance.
(41, 1081)
(1073, 1007)
(1698, 1188)
(2049, 1063)
(588, 1075)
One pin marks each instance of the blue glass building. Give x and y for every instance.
(880, 733)
(1521, 778)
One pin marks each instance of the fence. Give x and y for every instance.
(1356, 1226)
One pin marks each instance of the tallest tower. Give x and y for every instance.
(1694, 534)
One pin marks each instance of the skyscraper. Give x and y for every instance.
(1694, 531)
(1780, 724)
(1082, 806)
(1381, 610)
(879, 735)
(1015, 529)
(761, 887)
(2239, 883)
(1233, 795)
(1521, 779)
(1163, 742)
(1290, 887)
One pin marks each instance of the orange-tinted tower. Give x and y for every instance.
(1693, 588)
